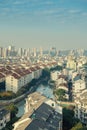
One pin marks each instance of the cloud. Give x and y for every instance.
(74, 11)
(17, 2)
(84, 14)
(51, 11)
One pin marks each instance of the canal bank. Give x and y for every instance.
(44, 89)
(31, 89)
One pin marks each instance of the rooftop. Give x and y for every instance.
(43, 116)
(3, 112)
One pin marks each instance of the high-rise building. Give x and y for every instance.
(41, 51)
(34, 52)
(1, 51)
(28, 52)
(11, 48)
(20, 52)
(5, 52)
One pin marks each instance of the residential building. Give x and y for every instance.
(55, 74)
(81, 107)
(78, 86)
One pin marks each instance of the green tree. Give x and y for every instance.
(61, 94)
(13, 110)
(79, 126)
(46, 73)
(58, 67)
(68, 119)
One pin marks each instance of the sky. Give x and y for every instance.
(44, 23)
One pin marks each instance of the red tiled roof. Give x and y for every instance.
(16, 76)
(2, 69)
(64, 84)
(37, 67)
(2, 76)
(32, 69)
(8, 67)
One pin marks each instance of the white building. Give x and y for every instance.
(54, 75)
(20, 78)
(17, 80)
(13, 83)
(78, 86)
(81, 107)
(60, 80)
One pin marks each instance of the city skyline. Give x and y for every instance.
(38, 23)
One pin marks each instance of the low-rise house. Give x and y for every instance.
(61, 80)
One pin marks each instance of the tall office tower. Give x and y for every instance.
(28, 52)
(24, 52)
(41, 51)
(34, 52)
(5, 52)
(1, 51)
(20, 52)
(57, 53)
(50, 51)
(80, 52)
(11, 51)
(11, 48)
(72, 52)
(53, 51)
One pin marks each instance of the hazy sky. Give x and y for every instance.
(44, 23)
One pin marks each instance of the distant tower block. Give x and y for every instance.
(1, 51)
(20, 52)
(34, 52)
(28, 52)
(41, 51)
(11, 48)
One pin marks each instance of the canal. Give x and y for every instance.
(43, 89)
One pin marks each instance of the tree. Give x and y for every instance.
(61, 94)
(13, 110)
(46, 73)
(79, 126)
(58, 67)
(67, 118)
